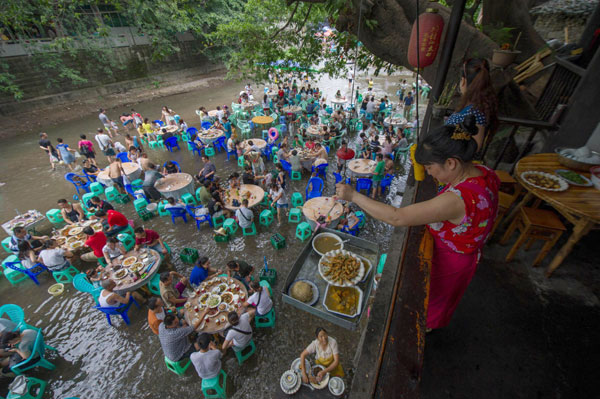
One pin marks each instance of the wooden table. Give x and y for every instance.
(210, 326)
(127, 284)
(262, 120)
(362, 166)
(260, 143)
(256, 196)
(28, 220)
(132, 171)
(321, 206)
(579, 205)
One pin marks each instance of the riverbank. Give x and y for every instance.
(38, 113)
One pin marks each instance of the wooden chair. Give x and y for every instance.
(507, 198)
(534, 224)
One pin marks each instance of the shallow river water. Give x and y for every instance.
(95, 360)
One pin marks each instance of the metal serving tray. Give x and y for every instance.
(306, 267)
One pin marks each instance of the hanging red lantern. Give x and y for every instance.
(431, 25)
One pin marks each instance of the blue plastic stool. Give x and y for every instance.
(215, 385)
(303, 231)
(266, 217)
(295, 215)
(267, 320)
(297, 199)
(245, 353)
(249, 231)
(177, 367)
(66, 275)
(230, 225)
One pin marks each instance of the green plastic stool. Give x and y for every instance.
(267, 320)
(381, 263)
(221, 238)
(218, 220)
(5, 245)
(35, 390)
(249, 231)
(209, 152)
(296, 175)
(112, 194)
(297, 199)
(362, 217)
(66, 275)
(176, 367)
(188, 199)
(154, 284)
(245, 353)
(198, 193)
(266, 217)
(128, 230)
(295, 215)
(13, 276)
(216, 386)
(189, 255)
(85, 198)
(161, 143)
(277, 241)
(161, 208)
(153, 144)
(270, 276)
(162, 256)
(265, 200)
(127, 240)
(303, 231)
(240, 161)
(140, 204)
(96, 188)
(230, 225)
(55, 217)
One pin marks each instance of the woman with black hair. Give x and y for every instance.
(477, 98)
(325, 349)
(459, 218)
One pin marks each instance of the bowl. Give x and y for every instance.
(332, 236)
(595, 176)
(567, 157)
(56, 289)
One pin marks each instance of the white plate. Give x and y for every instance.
(354, 281)
(315, 291)
(341, 386)
(588, 182)
(295, 367)
(563, 184)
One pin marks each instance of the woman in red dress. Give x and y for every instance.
(459, 218)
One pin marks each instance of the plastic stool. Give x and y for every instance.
(66, 275)
(295, 215)
(189, 255)
(361, 216)
(218, 220)
(265, 134)
(277, 241)
(213, 384)
(154, 284)
(267, 320)
(241, 357)
(161, 208)
(5, 245)
(230, 225)
(381, 263)
(249, 231)
(55, 217)
(241, 161)
(127, 241)
(188, 199)
(209, 151)
(96, 188)
(140, 204)
(266, 217)
(297, 199)
(303, 231)
(33, 385)
(176, 367)
(13, 276)
(296, 175)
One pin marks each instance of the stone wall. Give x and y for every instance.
(553, 27)
(136, 60)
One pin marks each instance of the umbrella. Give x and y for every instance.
(345, 154)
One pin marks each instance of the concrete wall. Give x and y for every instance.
(138, 70)
(553, 27)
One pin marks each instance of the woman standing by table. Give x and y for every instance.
(460, 217)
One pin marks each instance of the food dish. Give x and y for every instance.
(325, 242)
(75, 230)
(120, 274)
(345, 301)
(75, 244)
(341, 268)
(97, 226)
(129, 261)
(314, 292)
(573, 178)
(290, 382)
(227, 297)
(213, 301)
(296, 365)
(203, 298)
(314, 371)
(136, 267)
(544, 181)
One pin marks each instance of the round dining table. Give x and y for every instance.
(262, 120)
(253, 193)
(579, 205)
(247, 106)
(217, 321)
(292, 109)
(147, 260)
(168, 129)
(260, 143)
(307, 157)
(395, 122)
(339, 101)
(315, 130)
(132, 171)
(362, 167)
(175, 185)
(213, 113)
(210, 136)
(322, 206)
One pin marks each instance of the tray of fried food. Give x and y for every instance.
(341, 268)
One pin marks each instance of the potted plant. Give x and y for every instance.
(443, 103)
(502, 35)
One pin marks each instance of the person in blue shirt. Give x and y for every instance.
(227, 127)
(202, 271)
(408, 102)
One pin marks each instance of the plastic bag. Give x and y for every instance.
(126, 180)
(19, 385)
(77, 154)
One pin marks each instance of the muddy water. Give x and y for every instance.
(95, 360)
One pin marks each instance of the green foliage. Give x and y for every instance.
(499, 33)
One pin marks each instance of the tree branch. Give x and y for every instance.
(472, 10)
(305, 19)
(287, 23)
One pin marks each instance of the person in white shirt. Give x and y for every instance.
(230, 144)
(220, 114)
(53, 257)
(325, 349)
(207, 361)
(260, 300)
(244, 216)
(112, 250)
(106, 145)
(120, 147)
(371, 106)
(240, 333)
(278, 198)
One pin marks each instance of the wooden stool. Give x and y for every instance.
(534, 224)
(505, 202)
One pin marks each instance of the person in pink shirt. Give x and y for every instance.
(86, 148)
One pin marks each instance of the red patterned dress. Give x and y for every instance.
(457, 247)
